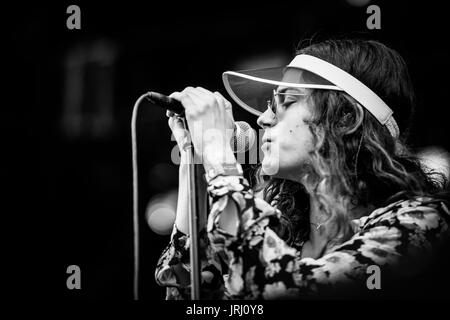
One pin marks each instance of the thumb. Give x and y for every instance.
(175, 95)
(179, 131)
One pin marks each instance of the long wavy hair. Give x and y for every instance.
(356, 162)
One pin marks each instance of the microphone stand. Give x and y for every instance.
(193, 218)
(192, 188)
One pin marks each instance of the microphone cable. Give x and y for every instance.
(135, 195)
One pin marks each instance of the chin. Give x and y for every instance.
(270, 166)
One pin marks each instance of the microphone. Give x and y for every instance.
(243, 136)
(166, 102)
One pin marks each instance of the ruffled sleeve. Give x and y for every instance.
(173, 268)
(257, 264)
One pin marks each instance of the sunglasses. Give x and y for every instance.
(279, 99)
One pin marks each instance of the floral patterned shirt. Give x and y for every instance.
(257, 264)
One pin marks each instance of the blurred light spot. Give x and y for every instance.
(161, 212)
(436, 158)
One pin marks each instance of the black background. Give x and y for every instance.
(70, 199)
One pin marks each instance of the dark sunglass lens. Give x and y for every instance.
(273, 105)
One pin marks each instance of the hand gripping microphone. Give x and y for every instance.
(243, 137)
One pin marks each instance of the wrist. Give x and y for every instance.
(222, 169)
(213, 155)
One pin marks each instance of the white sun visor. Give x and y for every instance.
(252, 89)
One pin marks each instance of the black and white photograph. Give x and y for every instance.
(240, 151)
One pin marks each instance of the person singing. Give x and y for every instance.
(337, 191)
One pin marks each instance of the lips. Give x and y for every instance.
(264, 140)
(265, 143)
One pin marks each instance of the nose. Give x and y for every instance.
(266, 119)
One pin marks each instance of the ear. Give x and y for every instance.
(320, 136)
(359, 117)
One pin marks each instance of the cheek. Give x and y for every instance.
(296, 144)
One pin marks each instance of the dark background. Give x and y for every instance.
(68, 170)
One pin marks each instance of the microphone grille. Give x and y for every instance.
(244, 137)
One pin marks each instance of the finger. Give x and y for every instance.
(225, 103)
(206, 94)
(199, 95)
(206, 91)
(222, 100)
(170, 121)
(176, 123)
(175, 95)
(199, 99)
(190, 102)
(181, 136)
(220, 96)
(212, 97)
